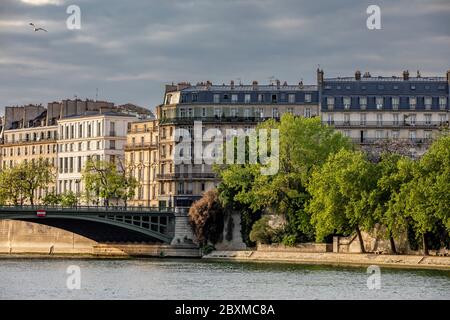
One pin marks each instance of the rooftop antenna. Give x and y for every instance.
(96, 94)
(271, 79)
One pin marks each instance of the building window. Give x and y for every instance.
(274, 98)
(291, 98)
(412, 103)
(275, 113)
(330, 103)
(216, 98)
(246, 113)
(428, 119)
(428, 134)
(395, 103)
(442, 119)
(379, 103)
(412, 119)
(379, 119)
(260, 97)
(194, 97)
(233, 112)
(234, 98)
(190, 113)
(347, 133)
(307, 97)
(330, 120)
(247, 98)
(395, 119)
(379, 134)
(203, 112)
(260, 112)
(412, 135)
(290, 110)
(307, 113)
(168, 99)
(442, 103)
(363, 103)
(347, 102)
(428, 102)
(217, 112)
(347, 119)
(395, 134)
(362, 119)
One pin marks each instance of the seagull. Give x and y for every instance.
(37, 29)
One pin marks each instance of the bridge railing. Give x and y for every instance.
(98, 209)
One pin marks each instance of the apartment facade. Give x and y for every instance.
(142, 158)
(225, 108)
(371, 109)
(92, 136)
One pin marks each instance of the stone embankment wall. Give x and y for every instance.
(19, 237)
(330, 258)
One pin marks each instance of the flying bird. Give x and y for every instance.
(37, 29)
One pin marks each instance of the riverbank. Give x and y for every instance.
(336, 259)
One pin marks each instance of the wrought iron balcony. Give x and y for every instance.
(186, 176)
(137, 146)
(388, 124)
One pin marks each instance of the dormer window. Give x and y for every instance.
(307, 97)
(168, 99)
(216, 98)
(194, 97)
(225, 96)
(274, 98)
(247, 98)
(234, 98)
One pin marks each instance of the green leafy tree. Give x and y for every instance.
(68, 199)
(339, 190)
(394, 171)
(11, 187)
(51, 199)
(103, 180)
(35, 175)
(303, 145)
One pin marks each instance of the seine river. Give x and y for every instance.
(195, 279)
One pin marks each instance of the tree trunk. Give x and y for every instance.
(424, 244)
(394, 250)
(361, 242)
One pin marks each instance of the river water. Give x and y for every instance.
(195, 279)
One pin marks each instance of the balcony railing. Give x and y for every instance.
(384, 124)
(25, 141)
(186, 175)
(412, 141)
(224, 119)
(145, 145)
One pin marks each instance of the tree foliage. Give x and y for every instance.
(206, 217)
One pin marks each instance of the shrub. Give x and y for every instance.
(262, 232)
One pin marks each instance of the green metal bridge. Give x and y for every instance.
(148, 222)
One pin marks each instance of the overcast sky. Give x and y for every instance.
(130, 49)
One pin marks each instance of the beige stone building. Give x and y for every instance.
(141, 159)
(220, 107)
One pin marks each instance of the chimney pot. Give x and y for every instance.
(406, 75)
(358, 75)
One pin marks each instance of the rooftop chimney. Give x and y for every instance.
(319, 76)
(418, 74)
(406, 75)
(278, 84)
(367, 74)
(255, 85)
(358, 75)
(232, 84)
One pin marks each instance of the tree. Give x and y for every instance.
(11, 186)
(206, 217)
(304, 143)
(51, 199)
(35, 175)
(426, 197)
(339, 192)
(394, 171)
(103, 179)
(68, 199)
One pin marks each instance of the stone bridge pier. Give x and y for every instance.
(183, 234)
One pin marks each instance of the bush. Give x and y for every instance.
(69, 199)
(262, 232)
(206, 218)
(51, 199)
(289, 240)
